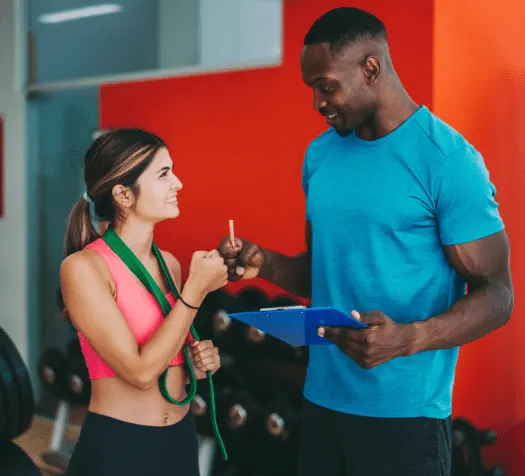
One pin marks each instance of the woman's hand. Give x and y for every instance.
(204, 356)
(207, 272)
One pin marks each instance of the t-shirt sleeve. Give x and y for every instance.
(465, 199)
(305, 174)
(305, 178)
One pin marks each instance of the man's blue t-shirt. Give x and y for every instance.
(381, 212)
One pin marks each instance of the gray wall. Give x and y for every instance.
(13, 226)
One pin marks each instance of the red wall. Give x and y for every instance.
(478, 88)
(238, 139)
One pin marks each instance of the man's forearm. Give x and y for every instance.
(478, 313)
(291, 273)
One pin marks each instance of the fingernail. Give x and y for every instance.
(320, 331)
(239, 270)
(356, 315)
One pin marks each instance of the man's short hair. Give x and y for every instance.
(344, 26)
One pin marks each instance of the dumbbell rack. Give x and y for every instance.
(60, 449)
(257, 387)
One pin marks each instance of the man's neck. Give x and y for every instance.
(396, 106)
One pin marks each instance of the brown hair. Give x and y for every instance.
(117, 157)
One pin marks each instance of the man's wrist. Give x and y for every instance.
(265, 271)
(415, 337)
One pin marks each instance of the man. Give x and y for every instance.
(401, 216)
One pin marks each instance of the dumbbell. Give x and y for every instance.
(53, 372)
(469, 440)
(226, 379)
(279, 436)
(282, 419)
(212, 321)
(200, 406)
(79, 384)
(55, 368)
(227, 333)
(14, 461)
(252, 299)
(240, 416)
(203, 321)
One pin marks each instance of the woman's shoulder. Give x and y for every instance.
(83, 265)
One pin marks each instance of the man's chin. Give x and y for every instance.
(342, 131)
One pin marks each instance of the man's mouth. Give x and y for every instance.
(332, 118)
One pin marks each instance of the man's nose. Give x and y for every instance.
(319, 101)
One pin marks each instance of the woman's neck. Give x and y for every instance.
(138, 236)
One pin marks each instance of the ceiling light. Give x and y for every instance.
(78, 13)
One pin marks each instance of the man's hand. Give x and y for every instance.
(244, 260)
(203, 356)
(384, 339)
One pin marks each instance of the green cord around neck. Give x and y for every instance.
(134, 264)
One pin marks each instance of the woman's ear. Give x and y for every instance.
(123, 196)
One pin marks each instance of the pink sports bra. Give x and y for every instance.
(137, 305)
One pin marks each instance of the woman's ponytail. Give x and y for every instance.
(80, 230)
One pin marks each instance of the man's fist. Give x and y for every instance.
(243, 259)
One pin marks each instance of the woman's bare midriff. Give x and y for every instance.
(115, 398)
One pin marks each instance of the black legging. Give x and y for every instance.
(110, 447)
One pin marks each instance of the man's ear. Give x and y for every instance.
(372, 69)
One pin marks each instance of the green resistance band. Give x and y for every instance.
(134, 264)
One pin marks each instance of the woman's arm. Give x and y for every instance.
(204, 353)
(87, 292)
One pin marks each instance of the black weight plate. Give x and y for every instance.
(73, 348)
(10, 400)
(3, 418)
(22, 379)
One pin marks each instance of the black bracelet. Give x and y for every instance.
(187, 305)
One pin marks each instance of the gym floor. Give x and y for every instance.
(36, 440)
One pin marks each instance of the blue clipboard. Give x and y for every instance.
(297, 325)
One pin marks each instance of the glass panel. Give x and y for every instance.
(79, 39)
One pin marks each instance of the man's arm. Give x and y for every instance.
(291, 273)
(484, 265)
(247, 260)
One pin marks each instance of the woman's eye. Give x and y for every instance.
(164, 174)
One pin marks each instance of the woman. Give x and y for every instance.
(127, 341)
